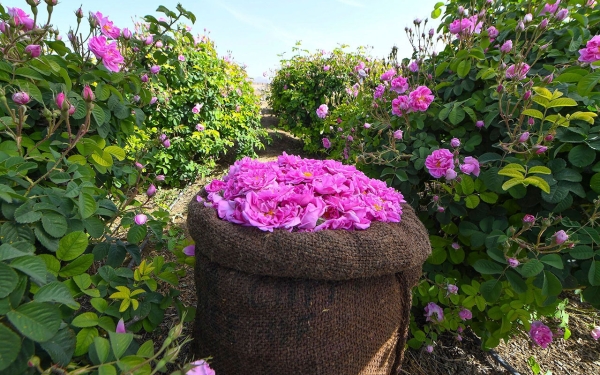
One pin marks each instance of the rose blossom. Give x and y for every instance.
(429, 348)
(322, 111)
(455, 142)
(560, 237)
(120, 326)
(596, 333)
(190, 250)
(413, 66)
(399, 85)
(529, 219)
(326, 68)
(450, 174)
(200, 368)
(126, 33)
(398, 134)
(200, 127)
(153, 100)
(439, 162)
(379, 90)
(20, 18)
(518, 71)
(181, 58)
(160, 177)
(432, 309)
(420, 99)
(326, 143)
(154, 69)
(196, 109)
(550, 8)
(524, 137)
(465, 314)
(367, 125)
(479, 124)
(452, 289)
(107, 27)
(507, 46)
(470, 166)
(512, 262)
(33, 50)
(492, 32)
(151, 190)
(540, 334)
(591, 52)
(388, 75)
(21, 98)
(140, 219)
(401, 105)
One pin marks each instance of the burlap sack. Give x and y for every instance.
(330, 302)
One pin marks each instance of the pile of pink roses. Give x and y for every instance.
(108, 52)
(306, 195)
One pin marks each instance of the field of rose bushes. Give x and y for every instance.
(488, 128)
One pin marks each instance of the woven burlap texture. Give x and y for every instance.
(330, 302)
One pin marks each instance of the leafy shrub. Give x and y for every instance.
(503, 164)
(306, 81)
(206, 107)
(71, 217)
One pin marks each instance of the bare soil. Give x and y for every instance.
(579, 355)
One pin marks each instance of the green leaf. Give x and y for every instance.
(594, 274)
(562, 102)
(582, 156)
(472, 201)
(511, 183)
(85, 338)
(511, 173)
(54, 224)
(136, 233)
(98, 115)
(100, 304)
(441, 68)
(87, 319)
(491, 290)
(532, 268)
(116, 151)
(130, 362)
(120, 342)
(553, 260)
(107, 369)
(551, 285)
(72, 245)
(146, 350)
(8, 353)
(464, 67)
(32, 266)
(456, 115)
(516, 281)
(533, 113)
(538, 182)
(595, 183)
(587, 83)
(8, 280)
(467, 185)
(487, 267)
(581, 252)
(87, 204)
(102, 347)
(38, 321)
(540, 169)
(104, 159)
(78, 266)
(568, 78)
(8, 251)
(61, 347)
(25, 213)
(56, 292)
(489, 197)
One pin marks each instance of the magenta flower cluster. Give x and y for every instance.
(417, 100)
(465, 26)
(308, 195)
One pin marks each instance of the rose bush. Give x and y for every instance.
(502, 163)
(305, 82)
(73, 213)
(205, 106)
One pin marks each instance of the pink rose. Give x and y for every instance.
(154, 69)
(528, 219)
(512, 262)
(140, 219)
(434, 312)
(106, 27)
(190, 250)
(540, 334)
(465, 314)
(398, 134)
(596, 333)
(439, 162)
(399, 85)
(591, 52)
(20, 18)
(560, 237)
(401, 105)
(452, 289)
(455, 142)
(33, 50)
(420, 99)
(322, 111)
(200, 368)
(21, 98)
(97, 45)
(326, 142)
(507, 46)
(120, 326)
(470, 166)
(517, 71)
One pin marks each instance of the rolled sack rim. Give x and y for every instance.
(382, 249)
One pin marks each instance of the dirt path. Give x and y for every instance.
(578, 355)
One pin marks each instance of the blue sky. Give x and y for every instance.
(256, 31)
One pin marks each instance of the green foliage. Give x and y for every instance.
(304, 82)
(536, 142)
(68, 198)
(228, 121)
